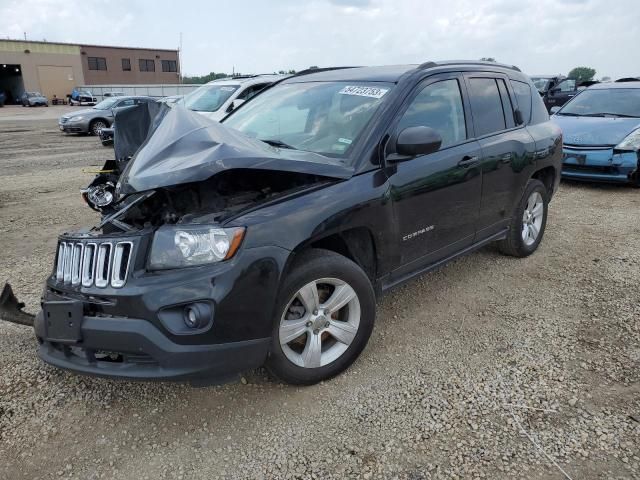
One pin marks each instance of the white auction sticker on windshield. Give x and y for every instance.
(227, 89)
(373, 92)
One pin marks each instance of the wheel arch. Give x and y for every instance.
(547, 175)
(94, 120)
(357, 244)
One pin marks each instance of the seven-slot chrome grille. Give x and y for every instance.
(91, 263)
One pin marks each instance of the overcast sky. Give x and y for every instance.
(259, 36)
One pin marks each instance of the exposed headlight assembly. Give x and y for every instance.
(179, 246)
(77, 118)
(631, 142)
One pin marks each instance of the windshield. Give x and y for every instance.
(209, 98)
(106, 104)
(540, 83)
(320, 117)
(620, 102)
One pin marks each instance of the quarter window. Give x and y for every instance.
(147, 65)
(97, 63)
(126, 64)
(169, 66)
(439, 106)
(488, 116)
(523, 97)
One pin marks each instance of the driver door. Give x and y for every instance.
(436, 197)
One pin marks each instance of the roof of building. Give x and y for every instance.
(82, 45)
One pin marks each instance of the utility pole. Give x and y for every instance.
(180, 75)
(25, 35)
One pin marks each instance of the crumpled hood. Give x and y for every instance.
(184, 147)
(595, 130)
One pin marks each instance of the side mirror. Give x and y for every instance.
(554, 90)
(555, 109)
(414, 141)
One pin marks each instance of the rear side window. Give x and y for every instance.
(486, 105)
(439, 106)
(523, 97)
(507, 105)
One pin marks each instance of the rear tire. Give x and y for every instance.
(528, 223)
(324, 317)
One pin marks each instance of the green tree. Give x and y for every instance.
(204, 78)
(582, 74)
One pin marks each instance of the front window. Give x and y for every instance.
(568, 85)
(618, 102)
(320, 117)
(106, 104)
(209, 98)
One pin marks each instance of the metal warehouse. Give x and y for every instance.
(56, 68)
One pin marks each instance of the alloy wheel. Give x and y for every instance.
(319, 323)
(532, 218)
(97, 126)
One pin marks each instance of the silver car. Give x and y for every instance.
(33, 99)
(92, 120)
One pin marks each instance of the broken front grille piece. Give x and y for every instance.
(93, 263)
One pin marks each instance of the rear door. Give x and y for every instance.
(507, 149)
(436, 197)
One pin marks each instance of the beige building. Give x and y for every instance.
(56, 68)
(50, 68)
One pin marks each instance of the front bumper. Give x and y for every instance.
(601, 165)
(135, 349)
(140, 325)
(74, 127)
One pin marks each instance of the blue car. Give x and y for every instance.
(601, 129)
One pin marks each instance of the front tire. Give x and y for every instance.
(96, 126)
(528, 223)
(323, 318)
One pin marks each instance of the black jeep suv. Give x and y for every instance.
(267, 238)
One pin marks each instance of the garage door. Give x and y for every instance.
(56, 80)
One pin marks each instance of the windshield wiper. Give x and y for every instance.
(277, 143)
(604, 114)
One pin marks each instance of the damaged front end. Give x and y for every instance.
(156, 288)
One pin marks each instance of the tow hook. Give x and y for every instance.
(11, 308)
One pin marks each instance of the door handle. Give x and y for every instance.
(572, 95)
(468, 161)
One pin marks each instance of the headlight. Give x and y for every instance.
(77, 118)
(631, 142)
(178, 246)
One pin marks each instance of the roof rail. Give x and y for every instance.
(427, 65)
(473, 62)
(318, 70)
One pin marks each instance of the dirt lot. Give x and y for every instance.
(467, 368)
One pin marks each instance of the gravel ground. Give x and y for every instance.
(491, 367)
